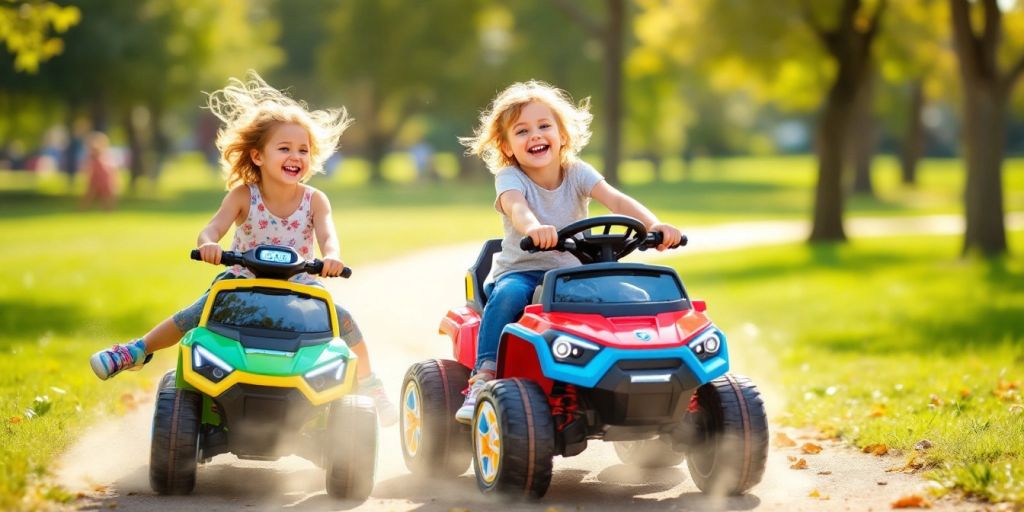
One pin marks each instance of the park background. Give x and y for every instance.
(708, 111)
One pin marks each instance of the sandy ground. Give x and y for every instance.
(398, 304)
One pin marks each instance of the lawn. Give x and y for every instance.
(885, 341)
(916, 316)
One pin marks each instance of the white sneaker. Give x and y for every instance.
(476, 384)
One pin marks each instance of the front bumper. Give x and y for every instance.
(632, 386)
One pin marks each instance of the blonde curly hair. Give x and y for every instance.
(250, 111)
(489, 137)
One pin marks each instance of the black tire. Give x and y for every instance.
(175, 444)
(515, 413)
(733, 431)
(648, 454)
(167, 381)
(351, 444)
(433, 442)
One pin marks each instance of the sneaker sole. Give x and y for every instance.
(98, 368)
(464, 418)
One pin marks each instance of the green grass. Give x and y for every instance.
(72, 281)
(890, 341)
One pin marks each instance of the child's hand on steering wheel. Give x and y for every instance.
(332, 267)
(670, 235)
(544, 236)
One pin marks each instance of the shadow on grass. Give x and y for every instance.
(27, 321)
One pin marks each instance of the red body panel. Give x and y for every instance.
(518, 358)
(462, 325)
(666, 329)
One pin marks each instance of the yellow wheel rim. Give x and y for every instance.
(412, 419)
(487, 437)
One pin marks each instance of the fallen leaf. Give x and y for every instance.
(816, 494)
(800, 464)
(964, 393)
(876, 449)
(810, 448)
(791, 458)
(128, 400)
(783, 441)
(880, 482)
(14, 420)
(824, 472)
(912, 501)
(935, 401)
(877, 411)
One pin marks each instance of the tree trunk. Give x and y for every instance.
(161, 142)
(863, 136)
(913, 145)
(613, 56)
(828, 196)
(985, 94)
(75, 144)
(375, 150)
(137, 164)
(850, 46)
(611, 36)
(984, 141)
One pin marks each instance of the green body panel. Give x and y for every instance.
(280, 364)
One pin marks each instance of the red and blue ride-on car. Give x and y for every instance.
(608, 350)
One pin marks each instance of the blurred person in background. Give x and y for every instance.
(102, 173)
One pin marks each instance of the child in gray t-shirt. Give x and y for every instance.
(530, 138)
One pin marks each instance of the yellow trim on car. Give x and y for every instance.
(232, 284)
(214, 389)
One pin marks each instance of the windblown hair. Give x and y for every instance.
(489, 137)
(251, 110)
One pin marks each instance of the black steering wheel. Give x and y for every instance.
(580, 239)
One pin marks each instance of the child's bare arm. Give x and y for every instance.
(326, 236)
(513, 204)
(231, 210)
(622, 204)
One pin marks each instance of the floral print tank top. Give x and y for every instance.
(262, 228)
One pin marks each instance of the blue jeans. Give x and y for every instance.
(506, 299)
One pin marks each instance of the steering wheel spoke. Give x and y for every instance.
(605, 246)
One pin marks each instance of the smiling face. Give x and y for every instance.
(285, 157)
(534, 139)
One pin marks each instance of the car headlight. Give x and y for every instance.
(327, 376)
(571, 350)
(208, 365)
(707, 344)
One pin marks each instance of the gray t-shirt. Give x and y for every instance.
(559, 208)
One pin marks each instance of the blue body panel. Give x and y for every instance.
(589, 375)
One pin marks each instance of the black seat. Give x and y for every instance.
(477, 274)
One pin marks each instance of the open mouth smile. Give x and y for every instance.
(538, 149)
(292, 170)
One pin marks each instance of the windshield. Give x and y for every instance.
(281, 312)
(616, 288)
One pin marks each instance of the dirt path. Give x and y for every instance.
(398, 304)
